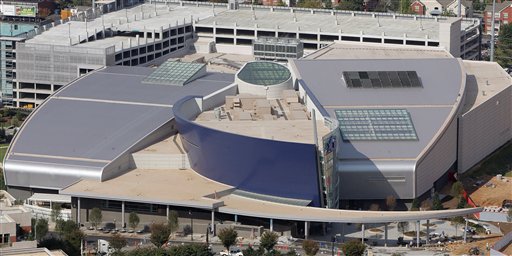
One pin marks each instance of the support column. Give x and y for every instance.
(306, 233)
(78, 211)
(466, 231)
(236, 218)
(271, 225)
(386, 234)
(418, 233)
(122, 214)
(167, 212)
(213, 222)
(362, 233)
(428, 232)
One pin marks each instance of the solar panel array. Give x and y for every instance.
(375, 124)
(381, 79)
(174, 73)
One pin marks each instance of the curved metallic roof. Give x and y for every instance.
(90, 123)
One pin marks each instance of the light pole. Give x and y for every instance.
(492, 30)
(191, 226)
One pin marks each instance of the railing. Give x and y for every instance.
(46, 213)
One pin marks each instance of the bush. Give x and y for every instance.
(133, 220)
(268, 240)
(310, 247)
(227, 237)
(95, 217)
(353, 248)
(159, 234)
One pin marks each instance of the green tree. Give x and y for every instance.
(133, 220)
(95, 217)
(503, 53)
(310, 4)
(462, 203)
(353, 248)
(190, 250)
(117, 242)
(172, 221)
(415, 204)
(405, 7)
(402, 227)
(227, 237)
(41, 228)
(250, 251)
(159, 234)
(351, 5)
(310, 247)
(268, 240)
(56, 212)
(457, 189)
(70, 237)
(436, 202)
(2, 181)
(15, 122)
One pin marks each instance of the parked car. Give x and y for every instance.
(232, 252)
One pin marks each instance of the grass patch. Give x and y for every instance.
(3, 150)
(498, 162)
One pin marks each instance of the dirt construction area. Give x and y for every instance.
(489, 191)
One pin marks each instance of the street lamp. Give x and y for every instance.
(191, 226)
(492, 29)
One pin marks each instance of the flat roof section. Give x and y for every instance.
(299, 131)
(140, 18)
(305, 22)
(485, 80)
(351, 50)
(173, 187)
(167, 187)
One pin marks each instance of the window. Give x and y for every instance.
(417, 8)
(505, 15)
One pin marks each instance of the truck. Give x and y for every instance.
(104, 248)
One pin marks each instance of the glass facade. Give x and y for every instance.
(8, 32)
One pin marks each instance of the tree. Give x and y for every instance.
(457, 189)
(159, 234)
(462, 203)
(227, 237)
(172, 221)
(117, 242)
(504, 46)
(405, 7)
(56, 211)
(310, 247)
(189, 250)
(436, 202)
(15, 122)
(250, 251)
(268, 240)
(95, 217)
(133, 220)
(41, 228)
(310, 4)
(415, 204)
(351, 5)
(70, 238)
(2, 181)
(402, 227)
(391, 202)
(353, 248)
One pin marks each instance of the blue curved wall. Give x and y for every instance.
(257, 165)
